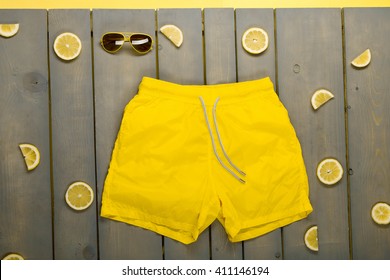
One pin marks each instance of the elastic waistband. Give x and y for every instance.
(228, 93)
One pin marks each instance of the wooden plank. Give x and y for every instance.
(71, 89)
(369, 127)
(25, 197)
(116, 78)
(252, 67)
(309, 56)
(183, 65)
(220, 51)
(220, 59)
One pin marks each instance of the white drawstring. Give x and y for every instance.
(220, 141)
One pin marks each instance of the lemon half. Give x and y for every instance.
(320, 97)
(31, 155)
(67, 46)
(173, 33)
(362, 60)
(9, 30)
(329, 171)
(380, 213)
(255, 40)
(311, 238)
(79, 196)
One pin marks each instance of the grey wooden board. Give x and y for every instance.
(220, 50)
(25, 197)
(308, 38)
(252, 67)
(183, 65)
(220, 59)
(116, 78)
(73, 146)
(368, 94)
(309, 56)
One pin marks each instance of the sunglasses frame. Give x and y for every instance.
(126, 38)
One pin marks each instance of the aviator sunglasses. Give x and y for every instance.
(113, 41)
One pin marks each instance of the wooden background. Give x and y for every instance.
(72, 111)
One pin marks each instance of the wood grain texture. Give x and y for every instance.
(220, 46)
(25, 197)
(183, 65)
(73, 146)
(252, 67)
(310, 57)
(249, 66)
(87, 97)
(116, 79)
(368, 95)
(220, 59)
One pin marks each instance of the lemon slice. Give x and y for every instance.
(255, 40)
(31, 155)
(173, 33)
(311, 238)
(9, 30)
(13, 257)
(79, 196)
(380, 213)
(320, 97)
(329, 171)
(362, 60)
(67, 46)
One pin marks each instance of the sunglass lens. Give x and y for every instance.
(113, 42)
(141, 42)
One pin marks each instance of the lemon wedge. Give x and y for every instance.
(13, 257)
(255, 40)
(31, 155)
(9, 30)
(362, 60)
(173, 33)
(320, 97)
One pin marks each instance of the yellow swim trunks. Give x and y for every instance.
(186, 155)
